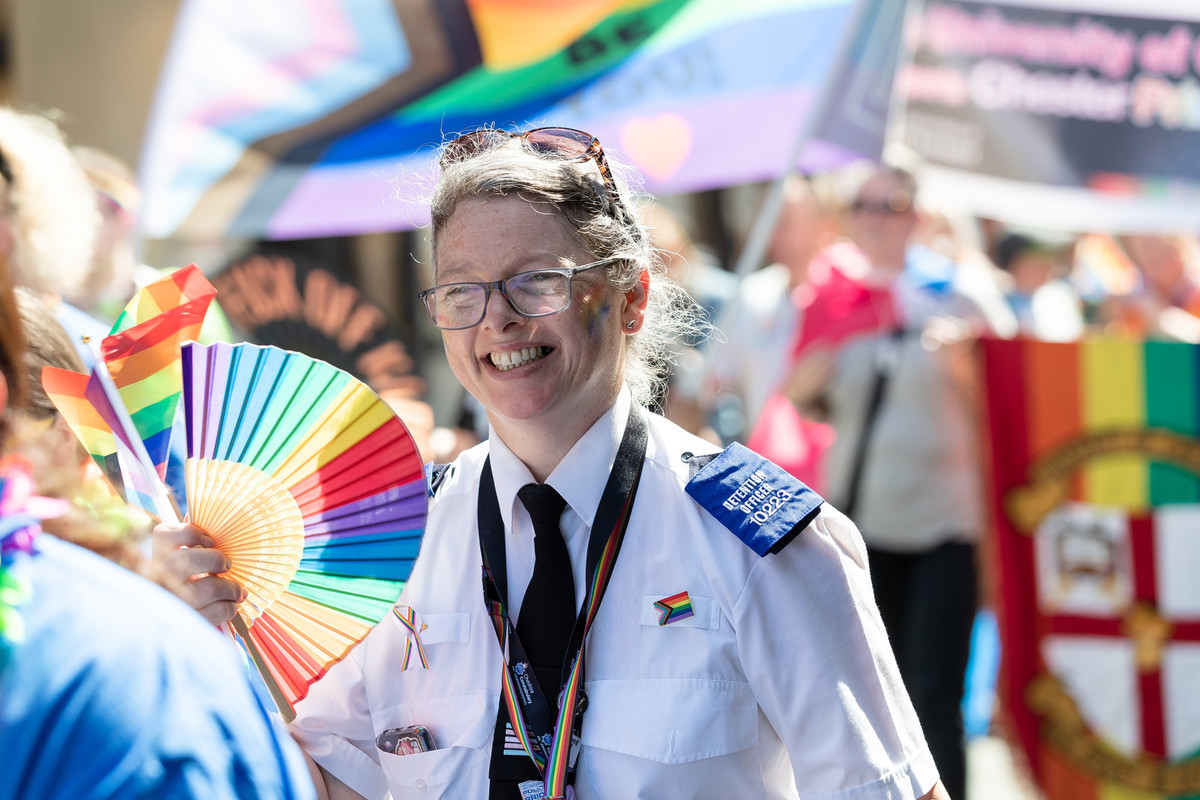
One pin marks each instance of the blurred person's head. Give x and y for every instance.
(58, 459)
(97, 518)
(1030, 263)
(47, 343)
(1162, 260)
(110, 280)
(807, 222)
(48, 215)
(14, 387)
(882, 214)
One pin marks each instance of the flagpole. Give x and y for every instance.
(764, 223)
(164, 503)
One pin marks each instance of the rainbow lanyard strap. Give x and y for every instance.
(550, 738)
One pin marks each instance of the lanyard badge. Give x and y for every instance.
(551, 738)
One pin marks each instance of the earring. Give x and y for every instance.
(631, 324)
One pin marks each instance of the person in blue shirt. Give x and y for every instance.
(111, 687)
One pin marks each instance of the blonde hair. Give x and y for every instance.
(49, 204)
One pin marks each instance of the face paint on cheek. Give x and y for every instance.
(596, 311)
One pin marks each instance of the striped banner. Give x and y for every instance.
(1094, 479)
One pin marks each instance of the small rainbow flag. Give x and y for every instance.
(674, 608)
(68, 391)
(142, 353)
(144, 486)
(165, 294)
(108, 436)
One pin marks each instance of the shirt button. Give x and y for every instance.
(420, 785)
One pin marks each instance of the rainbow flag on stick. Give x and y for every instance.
(68, 391)
(1094, 481)
(144, 484)
(107, 433)
(142, 354)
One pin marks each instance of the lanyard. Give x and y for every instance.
(548, 737)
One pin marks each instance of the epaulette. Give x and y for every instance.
(759, 502)
(436, 475)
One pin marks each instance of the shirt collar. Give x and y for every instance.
(581, 475)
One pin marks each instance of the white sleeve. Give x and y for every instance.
(333, 725)
(823, 671)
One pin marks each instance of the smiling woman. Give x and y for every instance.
(548, 401)
(628, 640)
(578, 188)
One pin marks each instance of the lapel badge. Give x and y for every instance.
(412, 635)
(674, 608)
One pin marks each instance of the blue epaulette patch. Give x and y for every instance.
(436, 475)
(760, 503)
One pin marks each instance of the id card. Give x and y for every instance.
(532, 790)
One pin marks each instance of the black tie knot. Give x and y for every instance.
(545, 507)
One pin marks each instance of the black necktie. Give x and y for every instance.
(544, 628)
(548, 609)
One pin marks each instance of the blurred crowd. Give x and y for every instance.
(1043, 284)
(850, 361)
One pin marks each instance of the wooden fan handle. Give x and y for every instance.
(281, 702)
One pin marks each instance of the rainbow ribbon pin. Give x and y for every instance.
(674, 608)
(408, 618)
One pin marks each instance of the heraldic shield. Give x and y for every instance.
(1094, 484)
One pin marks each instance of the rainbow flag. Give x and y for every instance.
(107, 433)
(674, 608)
(182, 286)
(142, 354)
(68, 391)
(144, 486)
(1093, 469)
(330, 124)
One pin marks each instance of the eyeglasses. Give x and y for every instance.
(568, 143)
(539, 293)
(898, 202)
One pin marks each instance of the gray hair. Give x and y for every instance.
(604, 227)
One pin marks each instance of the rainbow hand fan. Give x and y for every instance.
(313, 488)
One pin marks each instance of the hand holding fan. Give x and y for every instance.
(302, 475)
(313, 488)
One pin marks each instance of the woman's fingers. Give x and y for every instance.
(184, 561)
(170, 536)
(216, 598)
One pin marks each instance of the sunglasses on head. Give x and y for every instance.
(566, 143)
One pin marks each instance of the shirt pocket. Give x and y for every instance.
(461, 728)
(453, 627)
(670, 720)
(706, 614)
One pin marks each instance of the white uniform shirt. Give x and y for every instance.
(782, 678)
